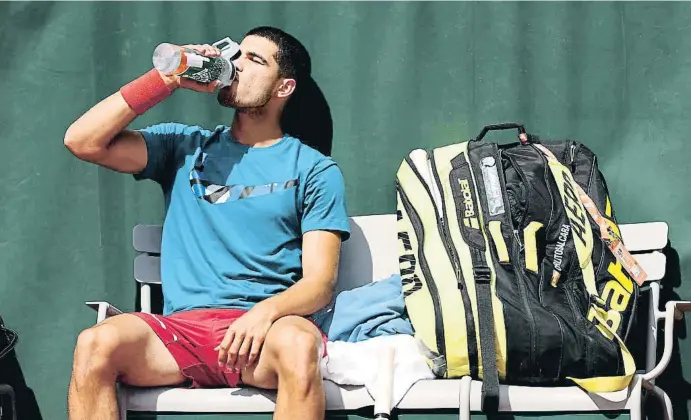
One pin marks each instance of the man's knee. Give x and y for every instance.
(298, 352)
(96, 349)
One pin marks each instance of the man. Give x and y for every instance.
(250, 211)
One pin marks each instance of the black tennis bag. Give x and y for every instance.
(512, 263)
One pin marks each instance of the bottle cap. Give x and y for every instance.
(229, 48)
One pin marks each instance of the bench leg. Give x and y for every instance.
(636, 410)
(464, 398)
(122, 401)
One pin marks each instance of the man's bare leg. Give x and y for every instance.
(122, 347)
(289, 362)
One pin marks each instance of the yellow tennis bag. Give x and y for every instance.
(512, 264)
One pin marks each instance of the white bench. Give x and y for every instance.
(370, 255)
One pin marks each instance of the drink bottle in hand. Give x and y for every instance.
(171, 59)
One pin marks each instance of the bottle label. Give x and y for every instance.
(196, 60)
(204, 69)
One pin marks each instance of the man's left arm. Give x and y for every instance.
(324, 226)
(320, 253)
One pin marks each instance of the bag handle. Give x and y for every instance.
(8, 339)
(522, 136)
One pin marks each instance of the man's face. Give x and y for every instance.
(257, 75)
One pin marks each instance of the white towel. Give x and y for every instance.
(356, 364)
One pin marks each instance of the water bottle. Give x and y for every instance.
(172, 59)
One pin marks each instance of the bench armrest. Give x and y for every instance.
(104, 310)
(674, 310)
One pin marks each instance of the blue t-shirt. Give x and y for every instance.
(235, 214)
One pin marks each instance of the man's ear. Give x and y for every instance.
(286, 88)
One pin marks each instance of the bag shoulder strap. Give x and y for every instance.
(610, 235)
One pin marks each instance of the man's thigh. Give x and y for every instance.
(143, 358)
(264, 373)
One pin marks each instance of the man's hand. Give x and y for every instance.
(243, 340)
(177, 81)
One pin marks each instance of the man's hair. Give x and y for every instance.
(292, 57)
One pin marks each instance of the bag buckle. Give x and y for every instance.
(482, 274)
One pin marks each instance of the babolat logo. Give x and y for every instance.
(469, 219)
(573, 209)
(616, 296)
(559, 250)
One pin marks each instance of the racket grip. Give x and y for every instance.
(382, 401)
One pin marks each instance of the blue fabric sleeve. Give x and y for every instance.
(325, 204)
(162, 142)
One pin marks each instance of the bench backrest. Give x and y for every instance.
(371, 253)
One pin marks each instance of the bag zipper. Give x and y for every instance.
(518, 268)
(473, 358)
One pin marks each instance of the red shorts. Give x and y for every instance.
(191, 338)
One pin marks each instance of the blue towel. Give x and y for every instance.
(369, 311)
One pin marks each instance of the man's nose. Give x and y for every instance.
(238, 64)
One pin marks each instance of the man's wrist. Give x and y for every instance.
(170, 81)
(146, 91)
(270, 308)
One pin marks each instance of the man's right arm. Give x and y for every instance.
(100, 135)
